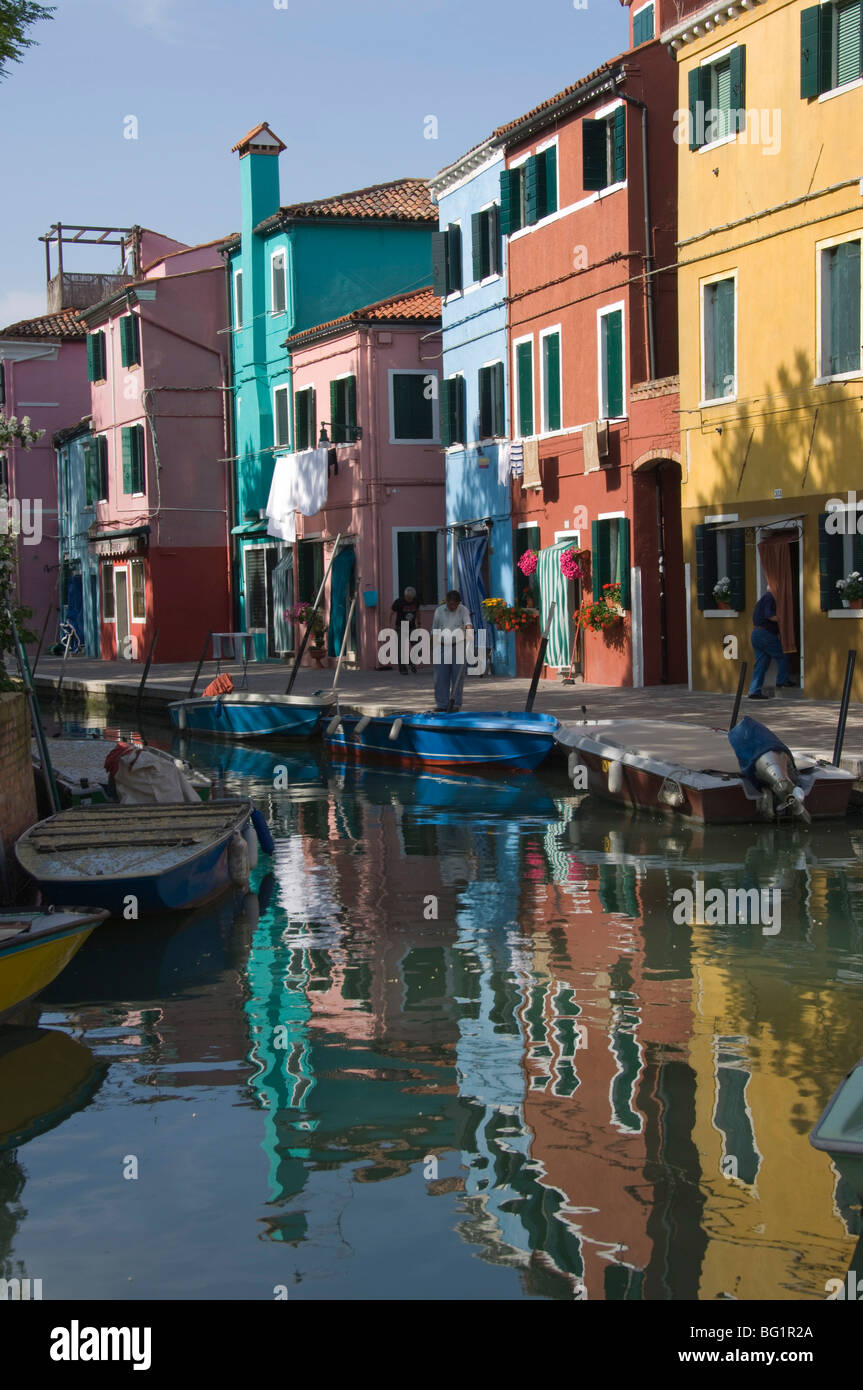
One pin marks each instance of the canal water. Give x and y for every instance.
(454, 1045)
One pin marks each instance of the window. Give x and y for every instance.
(719, 369)
(305, 419)
(524, 387)
(278, 283)
(238, 298)
(840, 309)
(717, 98)
(492, 403)
(343, 410)
(831, 50)
(282, 417)
(550, 376)
(610, 560)
(417, 557)
(133, 459)
(446, 260)
(310, 569)
(611, 383)
(528, 192)
(524, 538)
(96, 360)
(96, 470)
(108, 607)
(412, 407)
(840, 550)
(139, 594)
(130, 341)
(255, 570)
(642, 25)
(486, 243)
(719, 554)
(603, 150)
(453, 411)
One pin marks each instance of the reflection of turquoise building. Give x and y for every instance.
(470, 276)
(78, 476)
(292, 268)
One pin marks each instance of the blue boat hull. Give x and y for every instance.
(181, 887)
(221, 718)
(514, 741)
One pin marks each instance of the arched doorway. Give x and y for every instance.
(658, 551)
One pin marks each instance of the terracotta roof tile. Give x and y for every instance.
(608, 67)
(256, 130)
(65, 324)
(400, 200)
(417, 306)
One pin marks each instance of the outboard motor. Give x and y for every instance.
(767, 762)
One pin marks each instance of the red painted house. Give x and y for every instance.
(588, 201)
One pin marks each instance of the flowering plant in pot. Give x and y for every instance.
(722, 592)
(851, 589)
(599, 614)
(507, 617)
(569, 565)
(313, 619)
(527, 562)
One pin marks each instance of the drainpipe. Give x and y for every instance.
(648, 257)
(230, 441)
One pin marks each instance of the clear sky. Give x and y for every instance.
(347, 84)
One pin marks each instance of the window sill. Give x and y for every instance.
(839, 376)
(720, 613)
(717, 400)
(845, 613)
(840, 91)
(422, 443)
(715, 144)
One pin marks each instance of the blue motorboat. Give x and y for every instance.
(160, 857)
(241, 715)
(496, 739)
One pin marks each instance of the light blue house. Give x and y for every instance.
(470, 276)
(81, 484)
(292, 268)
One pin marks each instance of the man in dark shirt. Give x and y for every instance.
(405, 610)
(767, 646)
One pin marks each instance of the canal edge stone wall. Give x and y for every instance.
(17, 787)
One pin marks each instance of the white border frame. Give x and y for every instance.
(280, 251)
(602, 313)
(465, 445)
(706, 400)
(435, 404)
(285, 444)
(820, 247)
(491, 438)
(122, 565)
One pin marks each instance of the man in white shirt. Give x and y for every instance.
(452, 621)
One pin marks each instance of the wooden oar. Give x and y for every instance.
(543, 647)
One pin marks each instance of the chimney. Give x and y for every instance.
(259, 164)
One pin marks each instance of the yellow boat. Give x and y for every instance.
(45, 1076)
(36, 944)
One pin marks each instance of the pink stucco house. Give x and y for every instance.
(365, 387)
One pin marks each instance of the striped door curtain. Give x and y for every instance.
(283, 599)
(553, 587)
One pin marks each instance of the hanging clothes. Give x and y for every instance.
(341, 584)
(775, 553)
(504, 462)
(312, 474)
(470, 556)
(516, 458)
(531, 464)
(283, 601)
(282, 503)
(553, 587)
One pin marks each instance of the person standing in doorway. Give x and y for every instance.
(405, 610)
(767, 646)
(453, 622)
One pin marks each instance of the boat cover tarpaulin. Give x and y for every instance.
(750, 740)
(142, 778)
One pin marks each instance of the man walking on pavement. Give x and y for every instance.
(767, 646)
(452, 620)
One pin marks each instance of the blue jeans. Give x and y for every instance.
(767, 648)
(448, 684)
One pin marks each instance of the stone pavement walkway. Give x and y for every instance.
(808, 725)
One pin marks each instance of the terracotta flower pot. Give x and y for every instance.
(855, 602)
(721, 603)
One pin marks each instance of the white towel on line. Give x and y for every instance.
(282, 501)
(312, 475)
(503, 462)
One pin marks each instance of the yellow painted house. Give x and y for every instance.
(770, 225)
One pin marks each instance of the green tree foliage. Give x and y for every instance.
(16, 17)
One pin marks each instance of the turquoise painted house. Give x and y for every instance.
(470, 275)
(291, 268)
(80, 485)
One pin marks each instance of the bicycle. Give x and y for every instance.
(68, 641)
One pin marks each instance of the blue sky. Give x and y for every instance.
(347, 84)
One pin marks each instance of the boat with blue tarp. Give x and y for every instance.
(493, 739)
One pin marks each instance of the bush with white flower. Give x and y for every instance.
(722, 590)
(15, 431)
(851, 586)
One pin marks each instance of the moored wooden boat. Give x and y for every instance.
(241, 715)
(82, 778)
(36, 944)
(839, 1131)
(513, 740)
(164, 857)
(687, 770)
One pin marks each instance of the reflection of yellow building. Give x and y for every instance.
(760, 1051)
(770, 228)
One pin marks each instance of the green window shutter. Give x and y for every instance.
(351, 407)
(613, 355)
(524, 386)
(531, 191)
(705, 565)
(461, 410)
(848, 43)
(498, 413)
(601, 558)
(551, 352)
(696, 110)
(486, 403)
(737, 59)
(130, 355)
(138, 457)
(856, 550)
(737, 568)
(546, 182)
(642, 26)
(90, 476)
(102, 442)
(831, 550)
(510, 201)
(337, 419)
(447, 413)
(128, 461)
(301, 418)
(313, 419)
(91, 357)
(455, 280)
(825, 48)
(619, 144)
(844, 283)
(96, 357)
(810, 32)
(719, 381)
(495, 257)
(125, 345)
(479, 245)
(623, 561)
(594, 154)
(439, 258)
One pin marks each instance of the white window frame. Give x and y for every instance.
(238, 299)
(496, 274)
(115, 569)
(820, 306)
(703, 284)
(710, 62)
(491, 438)
(440, 552)
(465, 445)
(435, 403)
(721, 545)
(143, 616)
(516, 422)
(282, 443)
(543, 383)
(279, 254)
(601, 380)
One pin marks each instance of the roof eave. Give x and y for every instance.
(609, 78)
(702, 23)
